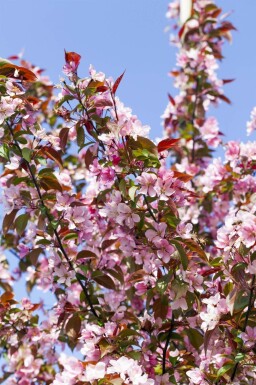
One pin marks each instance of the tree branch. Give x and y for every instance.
(167, 344)
(83, 286)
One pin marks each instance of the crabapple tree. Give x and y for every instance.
(148, 249)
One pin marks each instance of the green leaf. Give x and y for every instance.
(21, 223)
(43, 242)
(132, 192)
(34, 255)
(127, 333)
(162, 283)
(80, 136)
(122, 188)
(182, 253)
(71, 235)
(4, 151)
(64, 99)
(27, 153)
(195, 338)
(143, 143)
(224, 369)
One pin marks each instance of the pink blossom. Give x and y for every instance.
(196, 376)
(64, 276)
(251, 125)
(249, 336)
(23, 250)
(126, 216)
(94, 372)
(232, 150)
(141, 288)
(164, 249)
(210, 132)
(14, 163)
(107, 176)
(251, 268)
(247, 232)
(184, 229)
(147, 182)
(8, 106)
(157, 234)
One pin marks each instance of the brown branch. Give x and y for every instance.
(168, 339)
(83, 286)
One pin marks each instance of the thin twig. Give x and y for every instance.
(166, 345)
(192, 119)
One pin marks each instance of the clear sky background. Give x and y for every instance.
(115, 35)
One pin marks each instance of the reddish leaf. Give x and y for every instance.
(107, 243)
(63, 137)
(13, 57)
(116, 275)
(53, 154)
(166, 144)
(171, 99)
(182, 176)
(103, 103)
(89, 126)
(89, 157)
(95, 84)
(137, 276)
(102, 88)
(216, 13)
(160, 307)
(106, 281)
(72, 57)
(225, 81)
(85, 254)
(50, 182)
(194, 247)
(117, 82)
(224, 98)
(210, 271)
(227, 26)
(6, 297)
(17, 72)
(181, 31)
(34, 254)
(73, 326)
(9, 220)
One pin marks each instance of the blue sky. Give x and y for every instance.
(115, 35)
